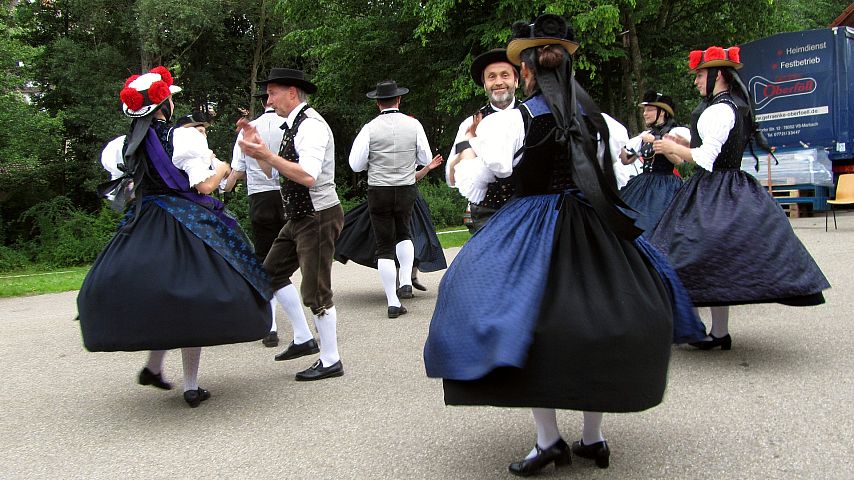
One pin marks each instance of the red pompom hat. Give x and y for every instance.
(715, 57)
(142, 94)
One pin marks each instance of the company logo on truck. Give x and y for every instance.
(766, 91)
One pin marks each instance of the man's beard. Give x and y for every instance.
(500, 99)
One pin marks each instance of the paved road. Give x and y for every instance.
(778, 406)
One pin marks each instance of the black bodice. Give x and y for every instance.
(733, 149)
(501, 190)
(657, 163)
(152, 184)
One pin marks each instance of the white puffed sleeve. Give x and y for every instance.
(683, 132)
(192, 154)
(713, 126)
(111, 157)
(499, 137)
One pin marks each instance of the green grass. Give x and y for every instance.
(455, 237)
(39, 280)
(36, 281)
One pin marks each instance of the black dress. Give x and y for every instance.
(728, 239)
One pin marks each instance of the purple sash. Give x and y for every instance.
(177, 180)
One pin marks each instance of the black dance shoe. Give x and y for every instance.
(295, 351)
(405, 292)
(147, 377)
(319, 372)
(557, 454)
(417, 285)
(271, 340)
(196, 397)
(724, 342)
(599, 452)
(394, 312)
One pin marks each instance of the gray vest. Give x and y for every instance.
(392, 151)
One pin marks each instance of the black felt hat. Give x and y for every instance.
(290, 77)
(486, 59)
(387, 89)
(655, 99)
(194, 119)
(547, 29)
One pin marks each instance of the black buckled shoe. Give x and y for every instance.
(295, 351)
(195, 397)
(557, 454)
(394, 312)
(271, 340)
(405, 292)
(598, 452)
(319, 372)
(724, 342)
(147, 377)
(417, 285)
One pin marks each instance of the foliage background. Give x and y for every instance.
(62, 63)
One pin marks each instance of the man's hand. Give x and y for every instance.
(252, 144)
(472, 130)
(437, 160)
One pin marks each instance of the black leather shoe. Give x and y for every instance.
(557, 454)
(417, 285)
(599, 452)
(405, 292)
(724, 342)
(147, 377)
(196, 397)
(319, 372)
(271, 340)
(295, 351)
(394, 312)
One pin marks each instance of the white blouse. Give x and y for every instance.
(713, 126)
(499, 137)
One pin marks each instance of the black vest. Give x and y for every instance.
(501, 190)
(295, 196)
(733, 149)
(657, 162)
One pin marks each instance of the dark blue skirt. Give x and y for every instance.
(732, 244)
(357, 241)
(546, 307)
(649, 194)
(173, 276)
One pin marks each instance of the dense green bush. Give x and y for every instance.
(65, 236)
(447, 206)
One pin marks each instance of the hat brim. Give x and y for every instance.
(398, 92)
(484, 60)
(663, 106)
(518, 45)
(148, 109)
(304, 85)
(718, 63)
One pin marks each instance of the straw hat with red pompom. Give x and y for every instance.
(142, 94)
(715, 57)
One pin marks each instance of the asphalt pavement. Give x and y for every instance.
(777, 406)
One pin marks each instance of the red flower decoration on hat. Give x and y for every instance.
(734, 54)
(131, 98)
(694, 58)
(164, 74)
(715, 53)
(158, 91)
(130, 79)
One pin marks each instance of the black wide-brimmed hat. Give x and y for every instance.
(194, 119)
(387, 89)
(547, 29)
(655, 99)
(290, 77)
(479, 64)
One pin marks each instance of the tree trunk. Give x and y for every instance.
(257, 57)
(633, 64)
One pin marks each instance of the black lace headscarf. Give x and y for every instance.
(561, 93)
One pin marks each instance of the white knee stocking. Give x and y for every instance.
(592, 432)
(288, 298)
(190, 358)
(155, 361)
(388, 272)
(720, 321)
(273, 327)
(547, 433)
(405, 251)
(326, 330)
